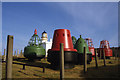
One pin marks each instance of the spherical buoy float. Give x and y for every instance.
(80, 44)
(34, 50)
(70, 54)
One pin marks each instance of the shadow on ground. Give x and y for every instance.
(35, 63)
(101, 73)
(111, 72)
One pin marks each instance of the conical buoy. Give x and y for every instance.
(70, 54)
(80, 44)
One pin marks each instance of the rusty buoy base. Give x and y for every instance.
(70, 59)
(80, 58)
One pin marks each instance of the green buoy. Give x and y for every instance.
(34, 50)
(80, 44)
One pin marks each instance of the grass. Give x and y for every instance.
(32, 71)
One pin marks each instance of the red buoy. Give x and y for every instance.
(104, 45)
(70, 54)
(90, 46)
(62, 36)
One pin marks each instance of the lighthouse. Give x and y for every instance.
(44, 37)
(45, 43)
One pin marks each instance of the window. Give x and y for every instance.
(63, 34)
(68, 35)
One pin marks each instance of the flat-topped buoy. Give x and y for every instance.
(70, 54)
(104, 46)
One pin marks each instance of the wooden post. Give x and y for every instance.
(104, 57)
(23, 66)
(61, 61)
(18, 53)
(15, 53)
(118, 52)
(0, 65)
(43, 69)
(9, 57)
(21, 54)
(96, 58)
(115, 53)
(85, 60)
(4, 57)
(100, 54)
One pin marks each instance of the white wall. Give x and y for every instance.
(47, 45)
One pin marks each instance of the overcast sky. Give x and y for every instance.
(96, 20)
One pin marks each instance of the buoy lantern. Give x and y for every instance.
(70, 54)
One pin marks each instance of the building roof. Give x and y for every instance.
(44, 32)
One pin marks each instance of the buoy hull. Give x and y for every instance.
(70, 59)
(81, 58)
(70, 54)
(33, 52)
(108, 53)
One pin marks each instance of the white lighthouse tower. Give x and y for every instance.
(45, 43)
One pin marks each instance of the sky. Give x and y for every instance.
(95, 20)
